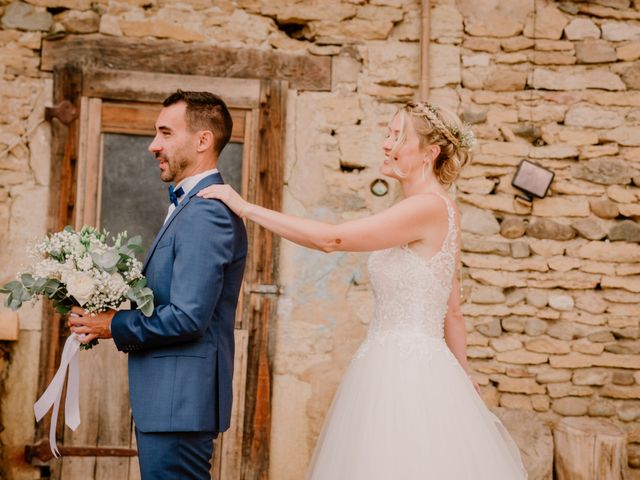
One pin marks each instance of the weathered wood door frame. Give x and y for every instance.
(104, 109)
(266, 99)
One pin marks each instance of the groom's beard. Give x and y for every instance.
(172, 167)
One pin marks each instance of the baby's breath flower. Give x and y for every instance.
(66, 257)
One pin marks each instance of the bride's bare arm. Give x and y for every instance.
(455, 332)
(400, 224)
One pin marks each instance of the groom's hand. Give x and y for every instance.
(91, 325)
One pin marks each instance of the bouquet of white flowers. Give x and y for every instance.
(81, 268)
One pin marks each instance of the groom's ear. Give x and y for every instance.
(206, 140)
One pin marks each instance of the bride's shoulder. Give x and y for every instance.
(431, 202)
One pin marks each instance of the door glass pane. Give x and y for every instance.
(230, 165)
(133, 196)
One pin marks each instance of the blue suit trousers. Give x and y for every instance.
(175, 455)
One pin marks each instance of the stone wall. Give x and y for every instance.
(551, 291)
(24, 196)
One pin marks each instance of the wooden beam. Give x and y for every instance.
(87, 187)
(67, 85)
(425, 41)
(227, 461)
(154, 87)
(140, 119)
(302, 71)
(266, 190)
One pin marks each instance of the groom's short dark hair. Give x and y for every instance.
(205, 111)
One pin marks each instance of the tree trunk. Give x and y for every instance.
(590, 449)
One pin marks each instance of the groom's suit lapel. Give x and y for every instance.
(216, 178)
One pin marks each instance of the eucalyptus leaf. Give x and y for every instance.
(27, 280)
(135, 296)
(147, 308)
(9, 287)
(132, 295)
(90, 345)
(38, 285)
(135, 241)
(25, 295)
(135, 244)
(13, 303)
(139, 283)
(107, 260)
(50, 287)
(60, 292)
(125, 252)
(61, 308)
(146, 301)
(17, 295)
(143, 298)
(58, 256)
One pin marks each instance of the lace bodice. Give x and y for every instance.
(411, 292)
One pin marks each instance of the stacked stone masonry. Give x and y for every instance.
(551, 291)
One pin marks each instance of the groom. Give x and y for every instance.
(181, 358)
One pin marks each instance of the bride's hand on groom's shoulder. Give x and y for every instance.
(227, 195)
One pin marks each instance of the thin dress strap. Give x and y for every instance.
(450, 241)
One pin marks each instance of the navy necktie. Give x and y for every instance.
(175, 194)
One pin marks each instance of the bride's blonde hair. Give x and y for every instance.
(437, 125)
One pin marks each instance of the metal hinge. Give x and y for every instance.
(65, 111)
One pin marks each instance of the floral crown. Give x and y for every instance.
(459, 137)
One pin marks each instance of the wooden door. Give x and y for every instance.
(115, 185)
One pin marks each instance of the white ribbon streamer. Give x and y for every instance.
(53, 393)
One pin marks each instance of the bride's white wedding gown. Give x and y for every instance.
(405, 409)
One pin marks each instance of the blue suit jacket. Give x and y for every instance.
(181, 358)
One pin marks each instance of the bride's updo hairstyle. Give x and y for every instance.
(437, 125)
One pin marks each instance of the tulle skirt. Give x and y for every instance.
(411, 414)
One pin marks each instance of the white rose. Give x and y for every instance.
(117, 282)
(80, 286)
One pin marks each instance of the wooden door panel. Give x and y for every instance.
(227, 455)
(105, 415)
(134, 466)
(120, 182)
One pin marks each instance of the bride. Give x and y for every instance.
(406, 408)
